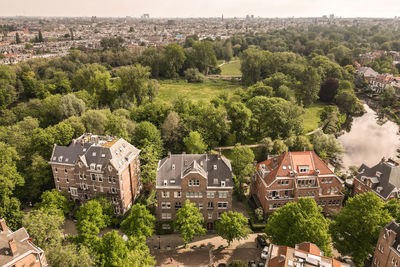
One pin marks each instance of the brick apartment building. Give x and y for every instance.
(17, 250)
(98, 165)
(303, 255)
(387, 250)
(291, 175)
(204, 179)
(383, 179)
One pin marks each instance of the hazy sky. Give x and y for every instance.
(201, 8)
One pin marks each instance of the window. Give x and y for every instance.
(101, 189)
(98, 167)
(177, 194)
(165, 182)
(100, 177)
(109, 168)
(200, 205)
(80, 176)
(58, 179)
(283, 182)
(210, 194)
(114, 200)
(215, 166)
(84, 186)
(304, 169)
(93, 166)
(55, 170)
(165, 205)
(165, 194)
(222, 205)
(178, 205)
(67, 180)
(94, 154)
(93, 176)
(210, 215)
(74, 191)
(210, 204)
(59, 188)
(65, 170)
(80, 164)
(194, 195)
(223, 194)
(84, 177)
(165, 216)
(215, 180)
(103, 155)
(219, 215)
(222, 183)
(166, 226)
(113, 190)
(95, 188)
(109, 179)
(194, 182)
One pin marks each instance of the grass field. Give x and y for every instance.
(232, 68)
(311, 117)
(171, 89)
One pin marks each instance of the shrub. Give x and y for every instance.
(194, 76)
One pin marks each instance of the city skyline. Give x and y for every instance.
(206, 8)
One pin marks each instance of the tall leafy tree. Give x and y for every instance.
(173, 59)
(242, 163)
(54, 200)
(189, 222)
(307, 91)
(356, 228)
(69, 255)
(297, 222)
(139, 222)
(91, 218)
(194, 143)
(240, 116)
(232, 226)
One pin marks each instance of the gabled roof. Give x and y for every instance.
(98, 150)
(385, 177)
(284, 164)
(176, 166)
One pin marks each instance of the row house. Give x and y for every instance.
(383, 179)
(204, 179)
(292, 175)
(98, 165)
(17, 249)
(387, 250)
(305, 254)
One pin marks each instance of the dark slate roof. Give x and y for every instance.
(388, 180)
(95, 149)
(177, 166)
(395, 227)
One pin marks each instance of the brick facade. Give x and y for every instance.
(279, 180)
(212, 196)
(387, 250)
(110, 167)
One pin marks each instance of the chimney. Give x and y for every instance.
(73, 141)
(13, 246)
(3, 225)
(169, 154)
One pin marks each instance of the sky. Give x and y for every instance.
(201, 8)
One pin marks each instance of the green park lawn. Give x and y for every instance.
(172, 89)
(311, 117)
(231, 68)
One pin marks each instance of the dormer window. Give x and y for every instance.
(109, 168)
(215, 180)
(98, 167)
(94, 154)
(201, 163)
(378, 174)
(84, 150)
(172, 181)
(67, 159)
(215, 166)
(93, 166)
(165, 182)
(55, 170)
(173, 166)
(60, 158)
(103, 155)
(304, 169)
(223, 183)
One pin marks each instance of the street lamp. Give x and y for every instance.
(159, 242)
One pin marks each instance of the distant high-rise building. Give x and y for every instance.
(222, 18)
(93, 19)
(145, 16)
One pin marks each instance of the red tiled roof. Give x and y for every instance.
(310, 248)
(282, 165)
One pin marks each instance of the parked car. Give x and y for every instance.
(264, 252)
(262, 240)
(252, 264)
(261, 264)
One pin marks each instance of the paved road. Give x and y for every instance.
(210, 248)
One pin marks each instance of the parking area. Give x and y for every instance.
(203, 251)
